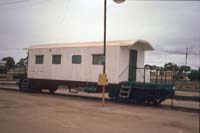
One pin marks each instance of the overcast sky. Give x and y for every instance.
(170, 26)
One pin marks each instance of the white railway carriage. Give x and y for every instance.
(79, 64)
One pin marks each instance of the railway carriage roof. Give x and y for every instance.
(129, 43)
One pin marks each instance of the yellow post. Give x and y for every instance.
(172, 102)
(103, 95)
(103, 81)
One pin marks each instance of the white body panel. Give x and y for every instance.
(117, 62)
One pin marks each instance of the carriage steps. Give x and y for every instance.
(125, 90)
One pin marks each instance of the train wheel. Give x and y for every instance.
(23, 84)
(156, 102)
(52, 91)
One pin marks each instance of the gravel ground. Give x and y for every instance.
(45, 113)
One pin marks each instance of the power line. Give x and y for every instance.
(180, 52)
(13, 2)
(23, 3)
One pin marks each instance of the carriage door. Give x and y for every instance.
(132, 65)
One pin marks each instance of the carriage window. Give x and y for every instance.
(76, 59)
(56, 59)
(98, 59)
(39, 59)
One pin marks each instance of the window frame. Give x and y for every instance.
(75, 56)
(101, 58)
(38, 61)
(53, 59)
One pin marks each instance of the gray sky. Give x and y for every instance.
(169, 26)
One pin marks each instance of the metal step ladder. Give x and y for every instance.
(125, 90)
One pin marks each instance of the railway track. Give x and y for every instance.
(85, 97)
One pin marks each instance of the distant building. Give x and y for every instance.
(2, 63)
(3, 69)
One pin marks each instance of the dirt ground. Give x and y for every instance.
(45, 113)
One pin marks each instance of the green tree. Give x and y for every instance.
(194, 75)
(10, 62)
(147, 66)
(171, 66)
(22, 64)
(185, 68)
(152, 67)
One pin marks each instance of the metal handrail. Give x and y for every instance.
(159, 77)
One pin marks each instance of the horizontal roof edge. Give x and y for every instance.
(93, 44)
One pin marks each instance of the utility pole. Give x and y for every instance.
(103, 77)
(104, 51)
(104, 37)
(186, 56)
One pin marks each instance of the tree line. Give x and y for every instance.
(180, 72)
(11, 64)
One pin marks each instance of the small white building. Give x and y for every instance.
(2, 63)
(82, 62)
